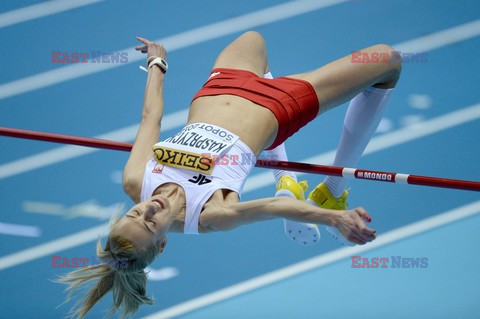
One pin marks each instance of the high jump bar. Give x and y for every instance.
(265, 163)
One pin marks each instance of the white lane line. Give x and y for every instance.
(162, 274)
(64, 153)
(19, 230)
(87, 209)
(319, 261)
(53, 246)
(172, 43)
(261, 180)
(417, 130)
(40, 10)
(175, 120)
(440, 39)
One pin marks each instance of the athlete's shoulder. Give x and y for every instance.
(217, 213)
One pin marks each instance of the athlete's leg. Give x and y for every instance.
(366, 108)
(341, 80)
(247, 52)
(364, 113)
(370, 85)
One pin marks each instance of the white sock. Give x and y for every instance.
(279, 153)
(361, 120)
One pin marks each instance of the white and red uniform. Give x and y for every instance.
(235, 161)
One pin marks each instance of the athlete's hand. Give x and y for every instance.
(151, 48)
(351, 223)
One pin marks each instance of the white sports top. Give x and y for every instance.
(176, 161)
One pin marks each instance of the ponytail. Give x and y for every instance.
(126, 280)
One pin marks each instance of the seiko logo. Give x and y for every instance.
(200, 179)
(183, 159)
(376, 176)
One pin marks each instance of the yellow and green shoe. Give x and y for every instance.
(304, 234)
(322, 197)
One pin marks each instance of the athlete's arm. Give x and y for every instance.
(149, 131)
(351, 223)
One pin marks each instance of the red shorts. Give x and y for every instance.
(293, 102)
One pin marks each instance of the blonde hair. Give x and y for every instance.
(123, 274)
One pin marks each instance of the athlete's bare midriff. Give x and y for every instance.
(255, 125)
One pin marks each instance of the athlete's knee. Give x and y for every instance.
(393, 61)
(254, 36)
(255, 40)
(391, 56)
(255, 43)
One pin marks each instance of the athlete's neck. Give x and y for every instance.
(176, 197)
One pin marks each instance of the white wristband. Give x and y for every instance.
(158, 61)
(161, 63)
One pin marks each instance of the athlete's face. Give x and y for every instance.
(147, 222)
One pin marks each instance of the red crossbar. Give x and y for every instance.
(288, 166)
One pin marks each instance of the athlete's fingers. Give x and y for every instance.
(143, 49)
(363, 214)
(359, 241)
(354, 238)
(364, 234)
(369, 232)
(146, 41)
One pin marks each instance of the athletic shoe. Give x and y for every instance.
(304, 234)
(322, 197)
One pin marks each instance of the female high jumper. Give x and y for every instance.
(192, 182)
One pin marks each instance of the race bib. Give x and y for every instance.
(196, 147)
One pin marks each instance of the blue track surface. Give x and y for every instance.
(106, 101)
